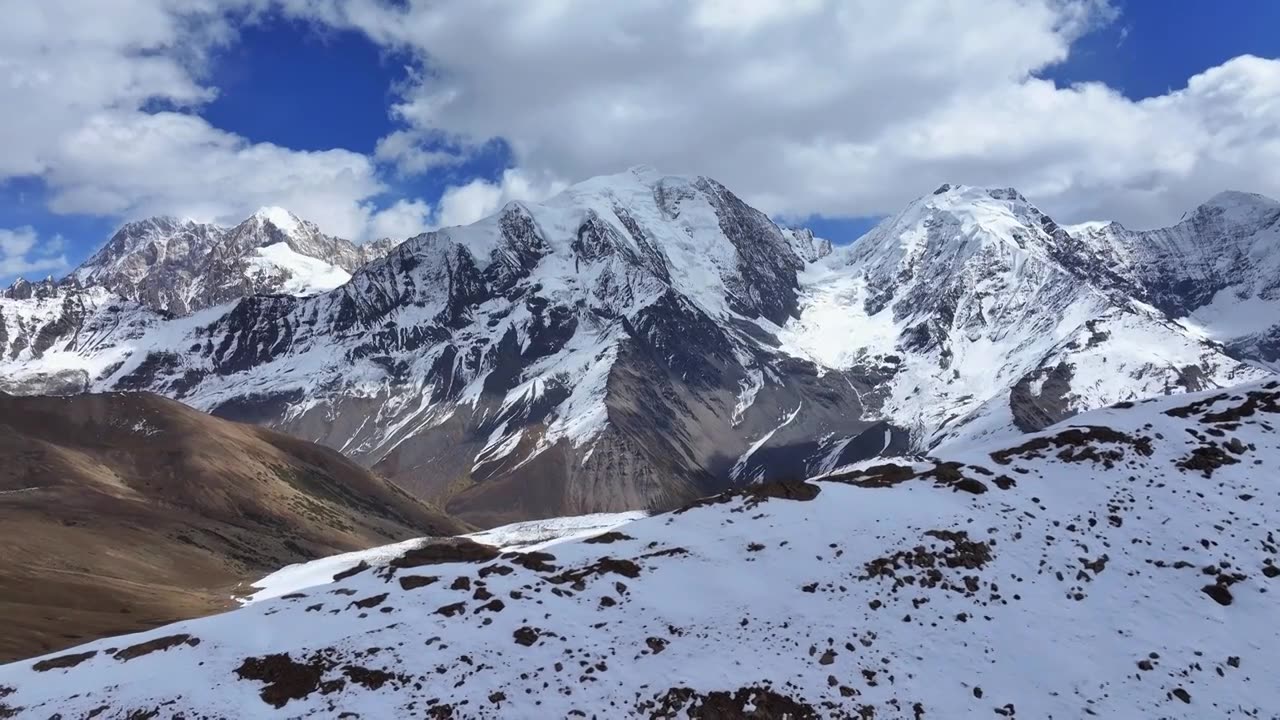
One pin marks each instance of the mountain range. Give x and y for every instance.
(642, 340)
(1122, 564)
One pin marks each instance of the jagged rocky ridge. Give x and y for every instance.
(641, 340)
(1137, 542)
(1217, 272)
(181, 266)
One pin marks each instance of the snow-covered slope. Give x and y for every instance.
(526, 536)
(1122, 565)
(641, 339)
(1217, 272)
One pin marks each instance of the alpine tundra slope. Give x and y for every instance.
(641, 340)
(1120, 564)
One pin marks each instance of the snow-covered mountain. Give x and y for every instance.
(1120, 565)
(641, 340)
(173, 267)
(182, 266)
(1217, 272)
(993, 317)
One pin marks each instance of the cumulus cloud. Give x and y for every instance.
(837, 107)
(21, 253)
(139, 164)
(410, 153)
(465, 204)
(403, 219)
(833, 107)
(81, 95)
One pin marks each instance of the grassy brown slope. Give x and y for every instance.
(123, 511)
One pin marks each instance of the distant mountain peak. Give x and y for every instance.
(181, 265)
(971, 192)
(1238, 198)
(284, 220)
(1241, 209)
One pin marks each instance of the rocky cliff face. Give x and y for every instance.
(640, 340)
(180, 266)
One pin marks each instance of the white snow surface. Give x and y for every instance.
(300, 576)
(302, 275)
(286, 221)
(525, 536)
(539, 534)
(1078, 590)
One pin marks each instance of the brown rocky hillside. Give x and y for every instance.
(125, 511)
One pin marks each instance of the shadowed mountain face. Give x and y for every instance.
(641, 340)
(122, 511)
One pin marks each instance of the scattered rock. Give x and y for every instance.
(285, 678)
(749, 702)
(413, 582)
(452, 609)
(535, 561)
(352, 571)
(1079, 444)
(444, 550)
(526, 636)
(63, 661)
(610, 537)
(150, 646)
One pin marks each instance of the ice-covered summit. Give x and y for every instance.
(286, 221)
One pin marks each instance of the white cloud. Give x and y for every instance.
(410, 154)
(835, 107)
(21, 253)
(80, 92)
(404, 219)
(465, 204)
(138, 164)
(839, 107)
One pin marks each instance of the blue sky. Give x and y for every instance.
(307, 85)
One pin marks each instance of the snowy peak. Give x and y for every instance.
(993, 319)
(806, 245)
(141, 244)
(954, 241)
(23, 289)
(284, 220)
(181, 266)
(1216, 272)
(618, 238)
(1242, 203)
